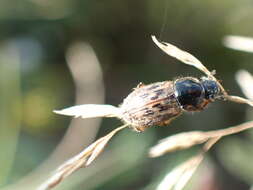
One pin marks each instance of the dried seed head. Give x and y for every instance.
(91, 111)
(83, 159)
(178, 142)
(181, 55)
(179, 176)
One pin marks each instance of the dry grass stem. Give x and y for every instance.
(178, 142)
(210, 143)
(239, 100)
(180, 176)
(230, 130)
(83, 159)
(188, 139)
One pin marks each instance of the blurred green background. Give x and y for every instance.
(56, 53)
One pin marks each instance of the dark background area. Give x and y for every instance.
(35, 36)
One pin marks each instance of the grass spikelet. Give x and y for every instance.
(83, 159)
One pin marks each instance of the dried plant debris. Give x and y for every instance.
(90, 111)
(157, 104)
(83, 159)
(178, 142)
(179, 176)
(188, 139)
(181, 55)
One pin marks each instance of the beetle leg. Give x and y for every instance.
(140, 85)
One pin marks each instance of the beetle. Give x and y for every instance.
(157, 104)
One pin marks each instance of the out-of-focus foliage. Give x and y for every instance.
(35, 36)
